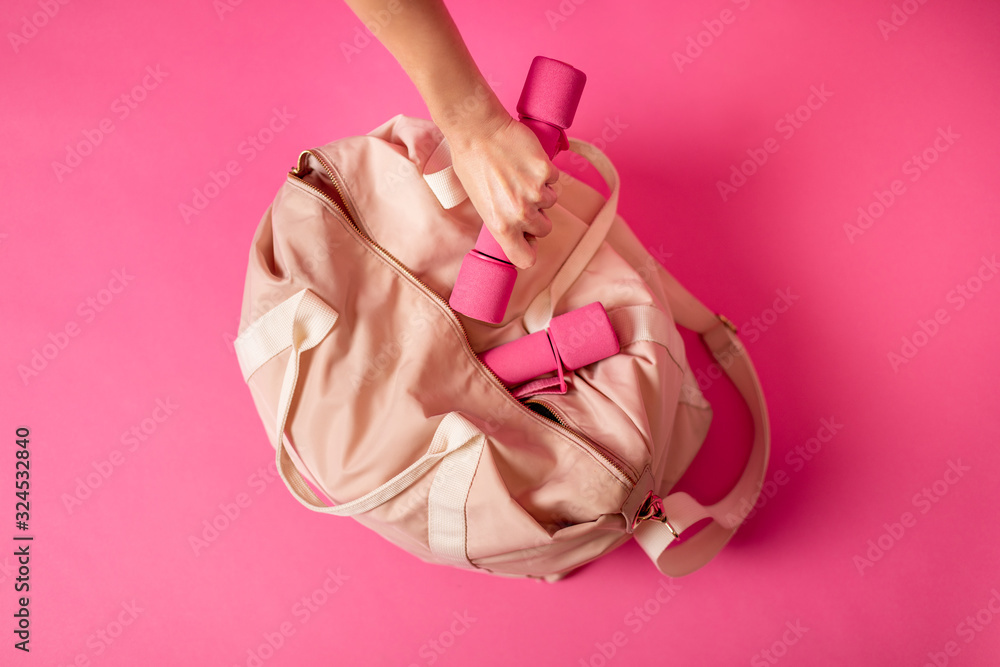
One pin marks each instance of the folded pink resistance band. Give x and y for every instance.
(548, 102)
(573, 340)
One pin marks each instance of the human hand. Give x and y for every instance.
(508, 178)
(499, 161)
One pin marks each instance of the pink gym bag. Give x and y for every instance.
(527, 447)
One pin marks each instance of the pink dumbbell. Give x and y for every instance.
(576, 339)
(547, 105)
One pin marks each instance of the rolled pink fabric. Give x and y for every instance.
(551, 92)
(483, 287)
(522, 359)
(579, 338)
(583, 336)
(548, 103)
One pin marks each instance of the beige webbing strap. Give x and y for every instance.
(539, 311)
(300, 323)
(682, 510)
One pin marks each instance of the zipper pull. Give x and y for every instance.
(652, 509)
(299, 170)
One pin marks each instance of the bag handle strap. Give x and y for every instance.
(681, 509)
(539, 311)
(300, 323)
(440, 177)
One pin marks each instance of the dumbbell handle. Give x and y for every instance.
(548, 103)
(547, 106)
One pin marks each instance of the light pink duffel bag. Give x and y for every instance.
(378, 407)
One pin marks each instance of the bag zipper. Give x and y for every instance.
(557, 416)
(612, 463)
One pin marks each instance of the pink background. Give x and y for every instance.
(124, 552)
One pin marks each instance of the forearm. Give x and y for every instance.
(424, 39)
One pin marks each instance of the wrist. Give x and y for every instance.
(475, 114)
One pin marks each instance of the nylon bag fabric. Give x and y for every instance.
(378, 407)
